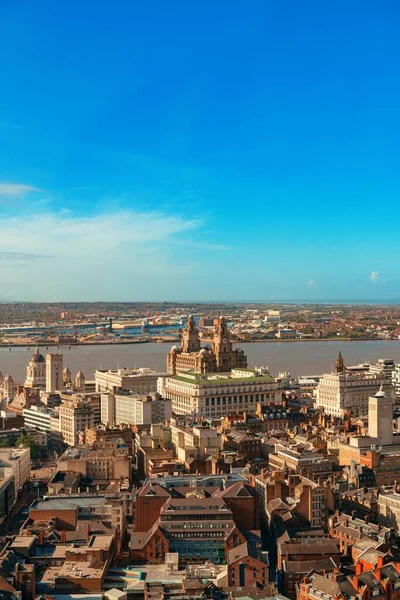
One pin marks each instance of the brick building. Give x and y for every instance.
(247, 566)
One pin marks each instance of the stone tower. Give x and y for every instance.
(67, 378)
(80, 382)
(8, 387)
(190, 336)
(339, 365)
(223, 345)
(380, 418)
(54, 369)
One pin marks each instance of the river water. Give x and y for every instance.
(300, 358)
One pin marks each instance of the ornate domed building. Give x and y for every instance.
(219, 358)
(36, 371)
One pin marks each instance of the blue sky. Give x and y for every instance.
(199, 150)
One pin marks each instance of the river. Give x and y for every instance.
(300, 358)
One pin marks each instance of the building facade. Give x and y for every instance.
(129, 408)
(141, 381)
(36, 371)
(54, 372)
(221, 357)
(76, 415)
(341, 393)
(214, 395)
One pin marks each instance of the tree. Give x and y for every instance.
(29, 442)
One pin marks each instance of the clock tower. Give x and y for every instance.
(190, 337)
(223, 345)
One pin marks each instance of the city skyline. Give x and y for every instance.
(171, 152)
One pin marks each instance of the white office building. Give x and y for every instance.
(340, 393)
(133, 409)
(141, 381)
(217, 394)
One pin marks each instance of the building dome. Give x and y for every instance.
(37, 357)
(203, 351)
(8, 377)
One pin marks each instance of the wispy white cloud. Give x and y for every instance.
(374, 277)
(123, 254)
(311, 283)
(20, 256)
(16, 189)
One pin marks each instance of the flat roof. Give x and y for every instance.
(67, 502)
(220, 379)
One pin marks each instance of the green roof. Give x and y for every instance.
(201, 380)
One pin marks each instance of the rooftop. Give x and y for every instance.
(213, 379)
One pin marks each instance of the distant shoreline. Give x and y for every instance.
(150, 341)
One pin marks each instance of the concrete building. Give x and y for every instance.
(214, 395)
(341, 393)
(396, 380)
(14, 463)
(130, 408)
(101, 465)
(141, 381)
(38, 417)
(75, 415)
(221, 357)
(80, 507)
(380, 418)
(20, 458)
(380, 449)
(194, 442)
(46, 420)
(36, 371)
(389, 509)
(8, 494)
(54, 372)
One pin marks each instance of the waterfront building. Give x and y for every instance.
(396, 380)
(219, 358)
(386, 366)
(341, 393)
(130, 408)
(141, 381)
(213, 395)
(54, 372)
(36, 371)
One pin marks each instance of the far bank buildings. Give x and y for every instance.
(214, 380)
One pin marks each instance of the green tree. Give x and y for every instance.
(29, 442)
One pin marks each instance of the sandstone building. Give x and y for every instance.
(219, 358)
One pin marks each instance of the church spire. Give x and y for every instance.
(339, 365)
